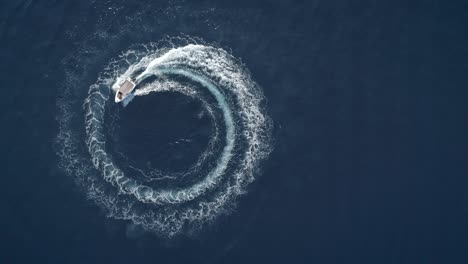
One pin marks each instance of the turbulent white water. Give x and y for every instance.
(240, 137)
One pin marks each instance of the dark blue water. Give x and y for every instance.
(369, 128)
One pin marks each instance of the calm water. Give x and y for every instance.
(369, 128)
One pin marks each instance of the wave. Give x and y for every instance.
(239, 140)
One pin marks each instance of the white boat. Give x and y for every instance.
(125, 89)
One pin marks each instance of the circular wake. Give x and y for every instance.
(167, 202)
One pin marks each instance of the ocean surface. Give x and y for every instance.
(269, 131)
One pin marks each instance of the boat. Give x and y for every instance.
(126, 88)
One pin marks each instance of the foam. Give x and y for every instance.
(245, 142)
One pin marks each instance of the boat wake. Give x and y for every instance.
(168, 203)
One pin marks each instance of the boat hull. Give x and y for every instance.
(126, 88)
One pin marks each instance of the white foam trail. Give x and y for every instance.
(246, 141)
